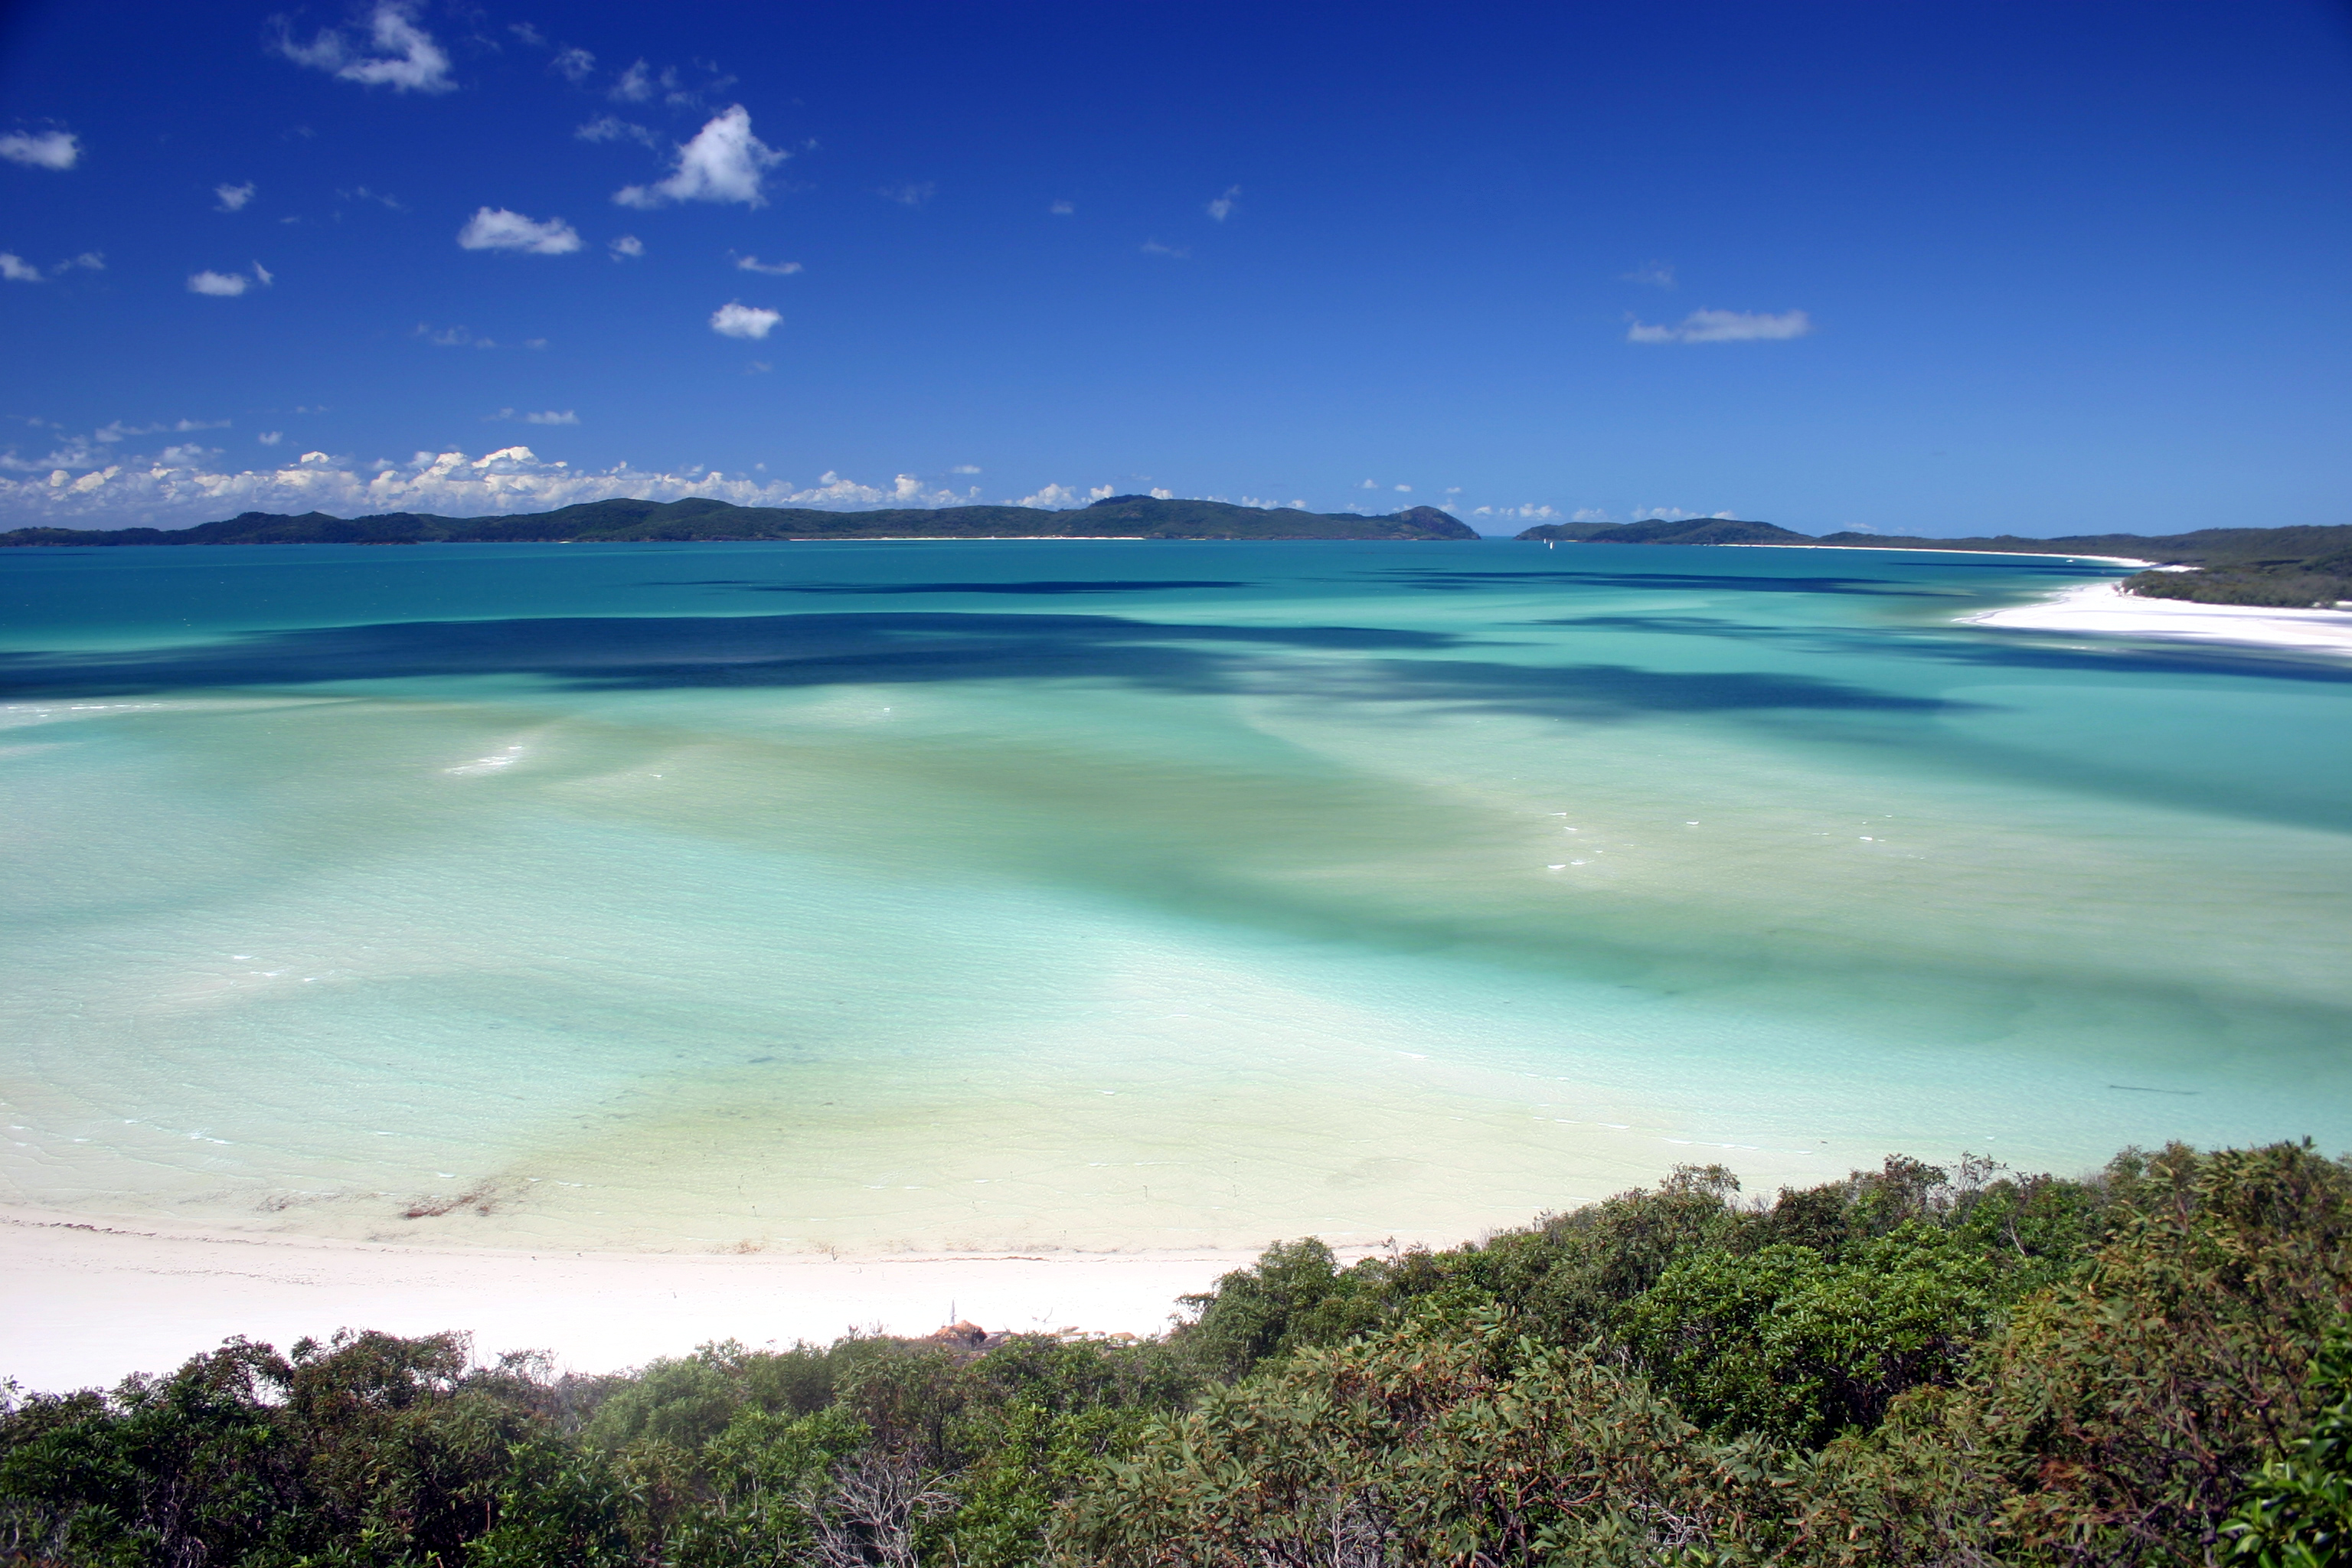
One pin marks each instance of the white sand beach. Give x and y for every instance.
(86, 1304)
(2103, 609)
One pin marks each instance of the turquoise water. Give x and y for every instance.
(1123, 895)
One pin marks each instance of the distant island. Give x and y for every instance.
(2303, 568)
(700, 518)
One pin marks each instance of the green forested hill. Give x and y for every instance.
(1131, 517)
(2148, 1367)
(1686, 531)
(2303, 566)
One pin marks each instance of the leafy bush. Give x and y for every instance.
(2146, 1367)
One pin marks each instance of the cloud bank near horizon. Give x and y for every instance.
(180, 487)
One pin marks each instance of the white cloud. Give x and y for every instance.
(1656, 274)
(1590, 514)
(16, 269)
(1222, 207)
(1063, 209)
(1153, 248)
(1529, 511)
(270, 438)
(127, 490)
(407, 59)
(1406, 489)
(612, 128)
(574, 64)
(635, 86)
(551, 417)
(263, 275)
(41, 149)
(1370, 485)
(910, 194)
(1725, 327)
(734, 319)
(775, 269)
(88, 261)
(628, 245)
(234, 197)
(1674, 514)
(495, 228)
(452, 337)
(361, 194)
(965, 468)
(1056, 496)
(722, 164)
(1158, 494)
(224, 285)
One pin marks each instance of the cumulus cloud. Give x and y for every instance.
(775, 269)
(575, 65)
(41, 149)
(1725, 327)
(627, 246)
(1674, 514)
(88, 261)
(1529, 511)
(404, 58)
(551, 417)
(234, 197)
(1222, 207)
(495, 228)
(724, 162)
(1370, 485)
(1055, 497)
(1153, 248)
(228, 285)
(16, 269)
(126, 490)
(1655, 274)
(270, 438)
(1590, 514)
(965, 468)
(1406, 489)
(910, 194)
(734, 319)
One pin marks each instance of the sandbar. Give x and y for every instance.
(2104, 609)
(89, 1303)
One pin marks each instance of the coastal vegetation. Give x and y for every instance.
(700, 518)
(2284, 566)
(1682, 531)
(2290, 567)
(2148, 1365)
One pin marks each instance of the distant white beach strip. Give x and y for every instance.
(2104, 609)
(93, 1303)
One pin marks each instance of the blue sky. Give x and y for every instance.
(1911, 266)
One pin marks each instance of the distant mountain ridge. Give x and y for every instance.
(2300, 567)
(2205, 547)
(701, 518)
(1682, 531)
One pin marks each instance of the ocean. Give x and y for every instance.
(1117, 895)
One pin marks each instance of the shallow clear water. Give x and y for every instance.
(1123, 895)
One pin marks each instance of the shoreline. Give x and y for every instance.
(1924, 550)
(2102, 609)
(93, 1302)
